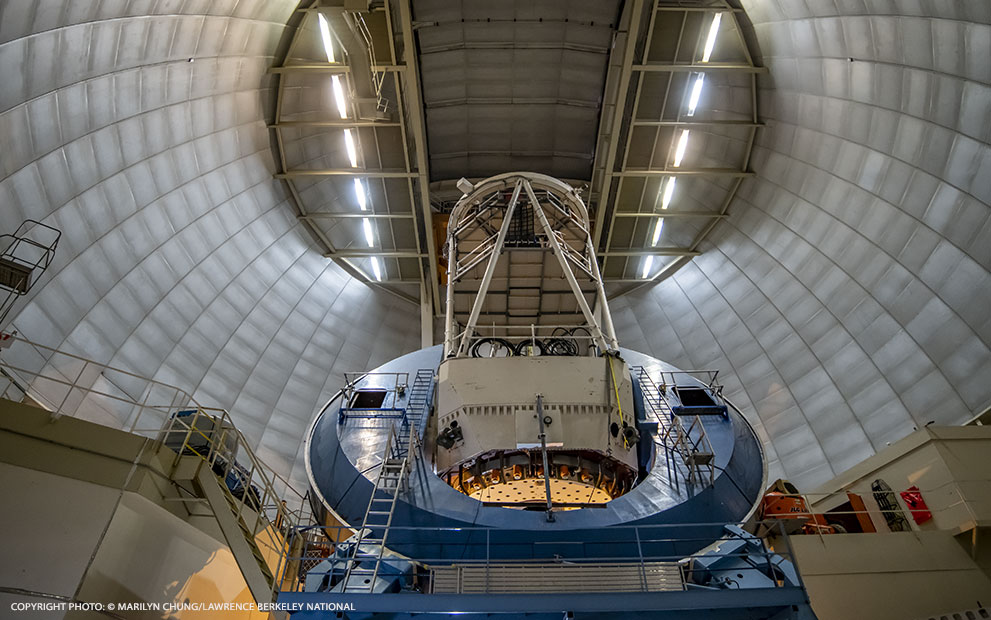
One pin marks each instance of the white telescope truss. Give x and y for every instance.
(520, 260)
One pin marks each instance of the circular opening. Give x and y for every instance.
(516, 479)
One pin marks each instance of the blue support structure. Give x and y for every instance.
(657, 528)
(787, 603)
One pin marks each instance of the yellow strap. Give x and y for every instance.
(619, 405)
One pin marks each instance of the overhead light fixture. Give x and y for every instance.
(710, 41)
(359, 192)
(369, 235)
(647, 264)
(352, 151)
(668, 192)
(693, 101)
(657, 231)
(376, 269)
(328, 44)
(679, 152)
(342, 103)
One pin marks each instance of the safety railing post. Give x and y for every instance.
(185, 442)
(767, 558)
(643, 568)
(58, 411)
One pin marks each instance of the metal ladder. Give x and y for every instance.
(417, 407)
(377, 521)
(657, 405)
(397, 460)
(658, 408)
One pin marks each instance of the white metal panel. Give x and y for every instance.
(180, 259)
(870, 197)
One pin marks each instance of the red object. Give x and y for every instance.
(777, 505)
(916, 505)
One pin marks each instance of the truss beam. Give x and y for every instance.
(346, 172)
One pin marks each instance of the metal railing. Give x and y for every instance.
(947, 503)
(269, 508)
(488, 553)
(267, 505)
(66, 384)
(25, 255)
(392, 385)
(378, 76)
(702, 377)
(644, 551)
(688, 444)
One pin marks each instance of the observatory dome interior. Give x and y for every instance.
(803, 203)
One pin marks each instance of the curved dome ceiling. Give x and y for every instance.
(846, 297)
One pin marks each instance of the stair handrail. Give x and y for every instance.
(278, 503)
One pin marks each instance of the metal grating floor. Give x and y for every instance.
(557, 577)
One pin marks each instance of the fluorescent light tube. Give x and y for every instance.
(657, 231)
(328, 45)
(647, 264)
(342, 103)
(369, 235)
(693, 101)
(679, 152)
(710, 41)
(668, 192)
(359, 192)
(352, 152)
(376, 269)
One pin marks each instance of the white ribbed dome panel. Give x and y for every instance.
(847, 298)
(849, 293)
(180, 259)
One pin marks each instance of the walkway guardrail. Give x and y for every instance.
(639, 558)
(689, 444)
(269, 509)
(375, 395)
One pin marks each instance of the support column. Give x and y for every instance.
(602, 302)
(426, 316)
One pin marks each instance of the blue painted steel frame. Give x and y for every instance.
(767, 603)
(343, 458)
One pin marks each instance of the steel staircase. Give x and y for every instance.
(249, 509)
(238, 534)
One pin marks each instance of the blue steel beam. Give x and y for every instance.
(745, 603)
